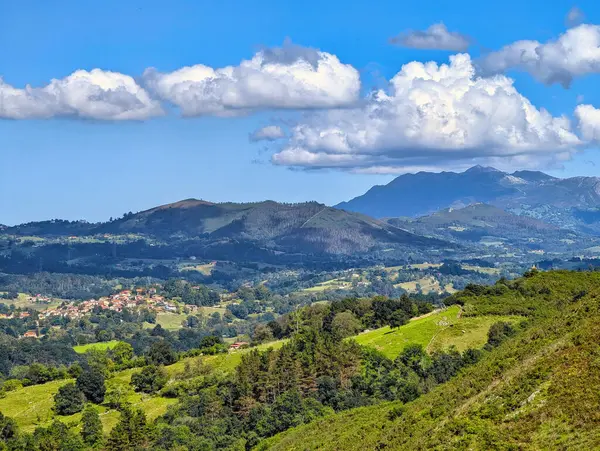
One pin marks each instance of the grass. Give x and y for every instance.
(427, 284)
(205, 269)
(333, 284)
(32, 406)
(537, 390)
(101, 346)
(436, 331)
(482, 269)
(24, 301)
(169, 321)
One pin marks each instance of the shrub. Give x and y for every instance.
(150, 380)
(68, 400)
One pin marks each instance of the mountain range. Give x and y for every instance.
(263, 231)
(565, 202)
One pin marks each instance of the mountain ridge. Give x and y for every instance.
(527, 193)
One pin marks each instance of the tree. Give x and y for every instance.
(8, 428)
(122, 352)
(91, 383)
(345, 324)
(57, 436)
(91, 426)
(262, 334)
(498, 333)
(397, 319)
(68, 400)
(150, 380)
(161, 353)
(131, 432)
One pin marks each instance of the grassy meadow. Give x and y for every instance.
(436, 331)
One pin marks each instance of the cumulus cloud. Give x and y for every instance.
(96, 94)
(432, 115)
(290, 77)
(588, 118)
(574, 17)
(436, 37)
(268, 133)
(575, 53)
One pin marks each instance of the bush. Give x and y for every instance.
(150, 380)
(499, 332)
(68, 400)
(161, 353)
(91, 383)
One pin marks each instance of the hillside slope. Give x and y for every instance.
(250, 231)
(484, 224)
(537, 390)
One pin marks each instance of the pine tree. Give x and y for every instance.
(91, 428)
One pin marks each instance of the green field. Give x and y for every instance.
(32, 406)
(101, 346)
(435, 331)
(169, 321)
(25, 302)
(426, 284)
(334, 284)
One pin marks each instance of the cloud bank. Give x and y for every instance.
(575, 53)
(436, 37)
(440, 115)
(96, 94)
(290, 77)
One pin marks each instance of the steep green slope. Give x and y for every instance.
(435, 331)
(537, 390)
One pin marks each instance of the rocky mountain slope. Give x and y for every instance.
(568, 203)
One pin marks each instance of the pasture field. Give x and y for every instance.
(436, 331)
(101, 346)
(25, 301)
(169, 321)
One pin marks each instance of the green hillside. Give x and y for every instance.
(435, 331)
(539, 389)
(32, 406)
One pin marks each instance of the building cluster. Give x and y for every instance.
(126, 299)
(20, 315)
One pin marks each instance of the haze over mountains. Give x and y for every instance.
(567, 203)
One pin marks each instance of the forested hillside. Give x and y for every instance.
(537, 389)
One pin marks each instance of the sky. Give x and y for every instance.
(109, 107)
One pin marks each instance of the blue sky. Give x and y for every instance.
(78, 167)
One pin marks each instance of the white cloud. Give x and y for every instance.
(96, 94)
(574, 17)
(575, 53)
(268, 133)
(436, 37)
(290, 77)
(442, 116)
(589, 122)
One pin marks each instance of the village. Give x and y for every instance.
(125, 299)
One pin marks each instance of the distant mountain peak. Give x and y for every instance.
(185, 203)
(533, 176)
(478, 168)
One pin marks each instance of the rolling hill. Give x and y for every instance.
(484, 224)
(571, 202)
(537, 390)
(264, 231)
